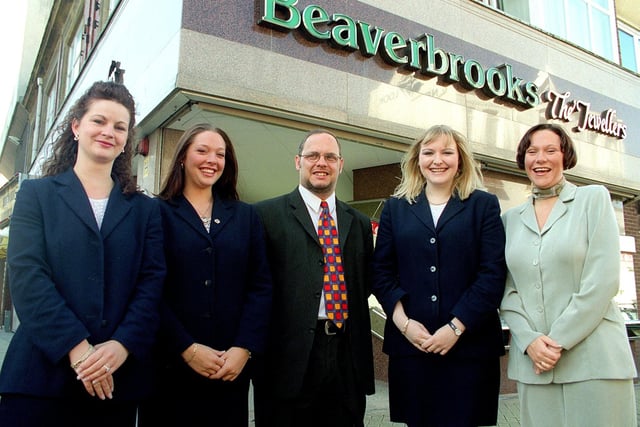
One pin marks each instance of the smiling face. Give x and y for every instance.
(321, 176)
(439, 161)
(204, 160)
(543, 160)
(102, 132)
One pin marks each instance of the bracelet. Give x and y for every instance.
(82, 358)
(405, 326)
(193, 354)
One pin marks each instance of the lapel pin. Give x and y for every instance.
(217, 221)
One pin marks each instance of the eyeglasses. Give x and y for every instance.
(314, 157)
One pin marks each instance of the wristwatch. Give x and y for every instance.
(456, 330)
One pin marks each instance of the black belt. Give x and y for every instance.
(327, 327)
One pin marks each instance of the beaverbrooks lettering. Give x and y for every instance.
(418, 54)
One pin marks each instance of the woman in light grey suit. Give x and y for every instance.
(569, 348)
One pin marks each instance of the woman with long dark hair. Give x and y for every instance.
(86, 269)
(217, 295)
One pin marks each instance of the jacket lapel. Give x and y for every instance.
(345, 218)
(567, 194)
(73, 195)
(117, 209)
(189, 215)
(454, 207)
(528, 214)
(300, 212)
(421, 210)
(223, 210)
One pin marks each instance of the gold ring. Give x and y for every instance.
(106, 368)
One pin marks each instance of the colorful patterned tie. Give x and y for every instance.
(335, 290)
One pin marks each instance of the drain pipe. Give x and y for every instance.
(36, 129)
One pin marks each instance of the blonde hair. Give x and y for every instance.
(468, 178)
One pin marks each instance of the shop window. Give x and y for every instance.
(629, 48)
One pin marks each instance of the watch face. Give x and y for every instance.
(458, 332)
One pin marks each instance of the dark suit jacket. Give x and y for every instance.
(296, 260)
(454, 269)
(218, 287)
(70, 281)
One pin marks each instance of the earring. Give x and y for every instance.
(182, 165)
(75, 137)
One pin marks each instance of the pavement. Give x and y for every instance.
(377, 414)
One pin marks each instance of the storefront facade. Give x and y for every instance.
(376, 72)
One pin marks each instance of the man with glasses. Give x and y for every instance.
(318, 368)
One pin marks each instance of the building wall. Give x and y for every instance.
(288, 73)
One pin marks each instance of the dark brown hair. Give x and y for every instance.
(65, 148)
(225, 187)
(569, 156)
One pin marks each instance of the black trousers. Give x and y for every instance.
(329, 395)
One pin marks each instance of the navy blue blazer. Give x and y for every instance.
(456, 269)
(218, 285)
(70, 280)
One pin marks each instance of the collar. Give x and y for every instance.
(313, 202)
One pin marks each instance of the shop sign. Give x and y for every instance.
(562, 108)
(417, 54)
(421, 54)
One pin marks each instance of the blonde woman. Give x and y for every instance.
(439, 274)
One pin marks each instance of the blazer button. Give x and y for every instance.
(432, 268)
(207, 283)
(432, 240)
(209, 250)
(104, 323)
(434, 298)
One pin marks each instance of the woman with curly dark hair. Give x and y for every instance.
(86, 269)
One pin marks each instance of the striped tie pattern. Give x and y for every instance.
(335, 290)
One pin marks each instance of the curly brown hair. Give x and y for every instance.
(65, 148)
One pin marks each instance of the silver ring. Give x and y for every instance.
(106, 368)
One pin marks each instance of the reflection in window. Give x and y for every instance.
(74, 57)
(629, 49)
(588, 23)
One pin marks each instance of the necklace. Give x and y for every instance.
(205, 214)
(546, 193)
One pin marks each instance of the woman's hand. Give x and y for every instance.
(442, 340)
(413, 330)
(203, 359)
(544, 354)
(234, 361)
(96, 370)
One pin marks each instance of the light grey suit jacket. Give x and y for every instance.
(561, 283)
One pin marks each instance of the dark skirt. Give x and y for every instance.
(184, 398)
(435, 391)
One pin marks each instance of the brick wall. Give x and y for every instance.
(632, 228)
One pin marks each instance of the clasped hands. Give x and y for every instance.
(544, 353)
(440, 342)
(95, 366)
(216, 364)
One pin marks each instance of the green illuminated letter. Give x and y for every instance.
(269, 18)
